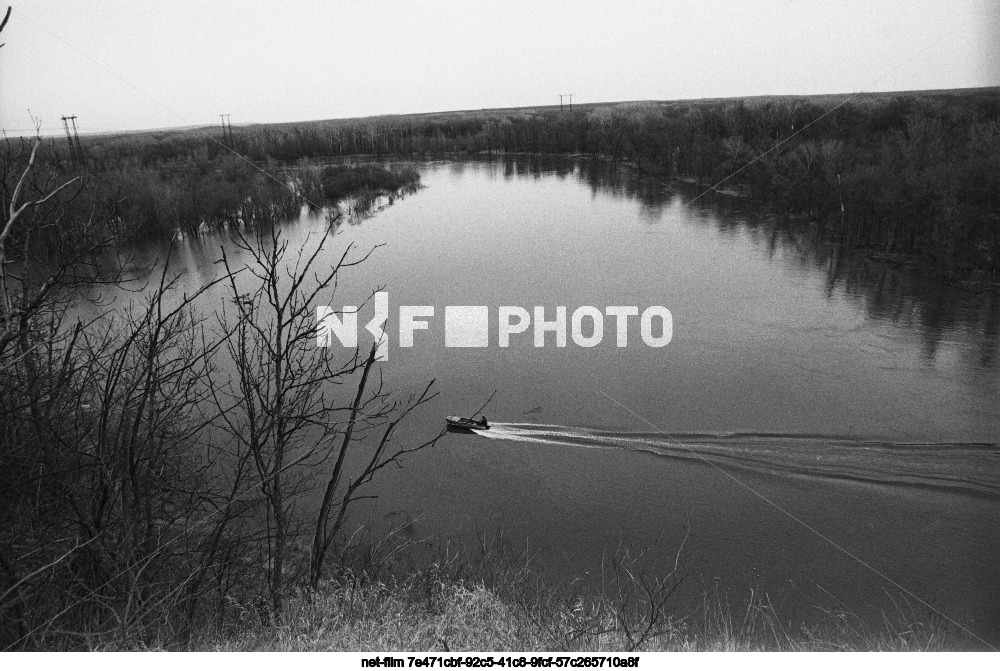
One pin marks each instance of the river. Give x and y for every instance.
(824, 428)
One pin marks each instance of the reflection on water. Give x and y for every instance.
(932, 308)
(356, 209)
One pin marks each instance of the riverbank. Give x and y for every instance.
(196, 194)
(427, 613)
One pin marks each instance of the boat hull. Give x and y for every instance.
(464, 423)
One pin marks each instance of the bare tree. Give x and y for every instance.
(25, 191)
(109, 516)
(384, 453)
(286, 412)
(4, 22)
(140, 450)
(281, 395)
(109, 477)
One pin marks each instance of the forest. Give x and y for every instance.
(908, 177)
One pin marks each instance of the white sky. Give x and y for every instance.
(186, 62)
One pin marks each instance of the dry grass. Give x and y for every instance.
(442, 615)
(490, 597)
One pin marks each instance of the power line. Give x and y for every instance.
(168, 109)
(883, 75)
(767, 500)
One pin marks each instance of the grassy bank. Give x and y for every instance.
(487, 596)
(427, 613)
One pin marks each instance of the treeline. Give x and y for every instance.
(199, 190)
(903, 176)
(231, 191)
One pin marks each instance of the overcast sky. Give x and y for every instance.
(136, 64)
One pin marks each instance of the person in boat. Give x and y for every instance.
(483, 423)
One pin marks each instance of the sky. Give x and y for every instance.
(121, 65)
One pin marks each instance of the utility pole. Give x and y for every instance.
(561, 96)
(69, 140)
(570, 102)
(79, 145)
(225, 134)
(74, 153)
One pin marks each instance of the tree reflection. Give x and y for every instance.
(907, 296)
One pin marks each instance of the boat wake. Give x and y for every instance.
(969, 467)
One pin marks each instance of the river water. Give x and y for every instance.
(824, 428)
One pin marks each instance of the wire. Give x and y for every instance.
(833, 109)
(168, 109)
(256, 167)
(795, 518)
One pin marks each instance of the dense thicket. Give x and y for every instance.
(900, 175)
(195, 191)
(151, 456)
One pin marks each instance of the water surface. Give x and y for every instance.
(813, 413)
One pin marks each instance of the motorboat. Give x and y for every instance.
(454, 421)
